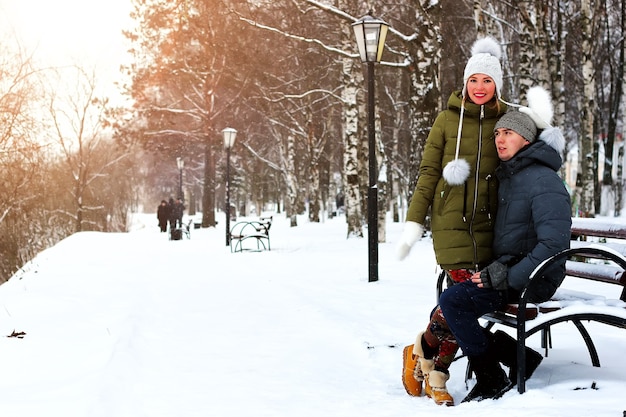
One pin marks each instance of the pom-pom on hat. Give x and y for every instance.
(539, 107)
(539, 113)
(485, 59)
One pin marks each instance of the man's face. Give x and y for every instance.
(508, 143)
(480, 88)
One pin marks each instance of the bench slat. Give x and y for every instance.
(609, 274)
(598, 228)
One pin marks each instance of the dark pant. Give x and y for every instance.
(462, 305)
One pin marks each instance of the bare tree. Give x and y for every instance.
(22, 161)
(77, 117)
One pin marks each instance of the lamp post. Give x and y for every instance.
(370, 38)
(229, 140)
(180, 164)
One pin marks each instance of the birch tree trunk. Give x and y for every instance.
(363, 149)
(381, 182)
(425, 86)
(557, 63)
(291, 180)
(609, 186)
(395, 203)
(486, 26)
(315, 199)
(535, 48)
(208, 196)
(351, 79)
(585, 140)
(619, 184)
(314, 190)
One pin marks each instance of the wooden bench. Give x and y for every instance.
(257, 231)
(598, 254)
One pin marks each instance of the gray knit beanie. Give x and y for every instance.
(520, 123)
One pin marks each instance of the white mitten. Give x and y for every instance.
(412, 233)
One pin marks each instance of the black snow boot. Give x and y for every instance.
(505, 348)
(491, 380)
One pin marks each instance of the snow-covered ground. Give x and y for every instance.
(136, 325)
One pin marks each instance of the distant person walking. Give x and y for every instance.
(171, 218)
(176, 214)
(163, 214)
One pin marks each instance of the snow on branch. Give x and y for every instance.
(339, 51)
(324, 92)
(297, 37)
(352, 19)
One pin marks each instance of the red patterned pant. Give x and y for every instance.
(439, 337)
(438, 334)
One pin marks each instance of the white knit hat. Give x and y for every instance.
(485, 59)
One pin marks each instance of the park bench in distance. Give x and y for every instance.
(253, 235)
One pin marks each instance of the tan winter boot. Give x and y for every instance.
(435, 387)
(411, 372)
(434, 381)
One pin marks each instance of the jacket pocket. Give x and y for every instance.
(443, 197)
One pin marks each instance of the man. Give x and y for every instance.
(180, 211)
(532, 224)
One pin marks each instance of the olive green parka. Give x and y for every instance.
(461, 216)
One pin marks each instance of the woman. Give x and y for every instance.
(456, 183)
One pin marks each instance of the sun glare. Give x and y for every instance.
(62, 31)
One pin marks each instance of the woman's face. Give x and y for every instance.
(480, 88)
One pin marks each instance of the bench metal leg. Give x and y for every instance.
(546, 340)
(521, 356)
(595, 360)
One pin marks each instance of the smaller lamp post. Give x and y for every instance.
(229, 140)
(370, 38)
(180, 164)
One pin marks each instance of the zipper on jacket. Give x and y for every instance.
(476, 179)
(488, 178)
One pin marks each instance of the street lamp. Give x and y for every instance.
(370, 38)
(229, 140)
(181, 164)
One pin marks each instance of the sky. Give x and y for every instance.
(64, 32)
(133, 325)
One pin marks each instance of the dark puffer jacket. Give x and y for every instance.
(534, 217)
(461, 216)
